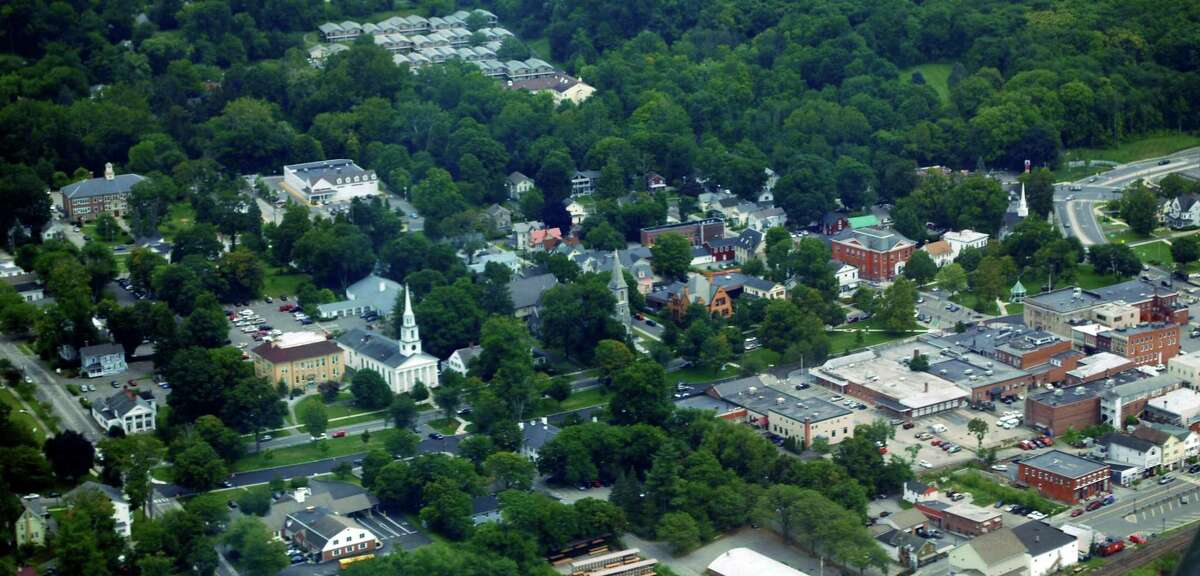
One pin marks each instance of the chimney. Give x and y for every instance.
(544, 421)
(108, 171)
(382, 286)
(927, 386)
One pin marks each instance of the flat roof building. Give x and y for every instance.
(746, 562)
(300, 360)
(783, 414)
(1180, 408)
(1064, 477)
(1058, 310)
(889, 385)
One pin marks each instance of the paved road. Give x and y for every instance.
(70, 413)
(1150, 508)
(1074, 209)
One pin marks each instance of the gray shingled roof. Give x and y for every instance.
(375, 346)
(1039, 538)
(120, 184)
(528, 292)
(310, 172)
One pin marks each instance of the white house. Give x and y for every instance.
(460, 360)
(1047, 549)
(126, 410)
(578, 212)
(119, 503)
(915, 491)
(941, 252)
(1133, 451)
(766, 196)
(102, 360)
(401, 363)
(1184, 211)
(766, 218)
(335, 180)
(517, 184)
(534, 435)
(847, 277)
(965, 239)
(328, 535)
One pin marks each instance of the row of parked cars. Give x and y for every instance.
(1036, 442)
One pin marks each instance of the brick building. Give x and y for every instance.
(300, 360)
(87, 199)
(961, 517)
(677, 297)
(697, 232)
(1046, 357)
(878, 254)
(1056, 410)
(1060, 310)
(1064, 477)
(1148, 344)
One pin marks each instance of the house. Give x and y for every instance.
(507, 259)
(485, 509)
(766, 194)
(940, 252)
(87, 199)
(499, 216)
(544, 239)
(520, 233)
(1047, 549)
(583, 182)
(847, 278)
(578, 211)
(34, 523)
(127, 410)
(999, 553)
(527, 294)
(340, 498)
(1170, 446)
(915, 491)
(962, 517)
(1063, 477)
(460, 360)
(1188, 437)
(534, 435)
(677, 297)
(737, 284)
(324, 181)
(764, 219)
(9, 268)
(371, 294)
(328, 536)
(833, 222)
(750, 245)
(299, 360)
(561, 87)
(878, 254)
(700, 257)
(517, 184)
(121, 513)
(655, 181)
(401, 363)
(967, 238)
(1184, 211)
(909, 550)
(102, 360)
(27, 286)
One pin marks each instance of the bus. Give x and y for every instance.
(344, 562)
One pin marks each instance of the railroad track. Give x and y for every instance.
(1124, 562)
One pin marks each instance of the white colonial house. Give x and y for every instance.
(847, 277)
(1184, 211)
(401, 363)
(518, 184)
(965, 239)
(578, 212)
(102, 360)
(126, 410)
(460, 360)
(337, 180)
(1132, 451)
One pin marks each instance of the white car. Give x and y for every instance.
(1035, 515)
(925, 464)
(1000, 467)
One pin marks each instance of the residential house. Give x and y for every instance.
(917, 491)
(736, 284)
(324, 181)
(34, 523)
(962, 517)
(517, 184)
(527, 294)
(127, 410)
(371, 294)
(578, 211)
(460, 360)
(120, 504)
(766, 194)
(485, 509)
(940, 252)
(655, 181)
(499, 216)
(339, 498)
(544, 239)
(521, 233)
(677, 297)
(847, 278)
(9, 268)
(700, 257)
(999, 553)
(1190, 439)
(833, 222)
(534, 435)
(763, 219)
(1047, 549)
(583, 182)
(27, 286)
(878, 254)
(908, 549)
(87, 199)
(504, 258)
(299, 360)
(750, 245)
(966, 238)
(328, 536)
(722, 249)
(401, 363)
(561, 87)
(1184, 211)
(1170, 446)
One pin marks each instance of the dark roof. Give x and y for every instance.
(1063, 464)
(271, 353)
(536, 434)
(110, 492)
(23, 282)
(320, 524)
(101, 350)
(1128, 441)
(528, 291)
(878, 239)
(830, 218)
(374, 346)
(1039, 538)
(119, 404)
(1131, 292)
(120, 184)
(485, 504)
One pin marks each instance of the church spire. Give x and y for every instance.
(620, 292)
(410, 337)
(1022, 207)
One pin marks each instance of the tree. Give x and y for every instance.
(253, 549)
(198, 467)
(1139, 208)
(256, 501)
(447, 509)
(920, 268)
(1119, 259)
(402, 444)
(919, 363)
(898, 305)
(315, 420)
(70, 455)
(512, 471)
(680, 530)
(782, 507)
(402, 411)
(611, 356)
(370, 391)
(131, 459)
(107, 228)
(253, 405)
(448, 397)
(978, 428)
(87, 542)
(419, 392)
(640, 394)
(952, 278)
(1185, 250)
(476, 448)
(671, 256)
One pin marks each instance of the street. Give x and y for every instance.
(70, 413)
(1148, 508)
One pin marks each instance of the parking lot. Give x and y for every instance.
(285, 322)
(138, 377)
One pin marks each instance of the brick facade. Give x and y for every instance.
(1064, 488)
(696, 232)
(1059, 413)
(875, 265)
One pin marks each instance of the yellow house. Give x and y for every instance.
(1174, 450)
(32, 525)
(301, 360)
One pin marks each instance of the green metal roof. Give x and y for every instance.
(863, 221)
(1018, 288)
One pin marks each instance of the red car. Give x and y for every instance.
(339, 434)
(1046, 441)
(1095, 505)
(935, 442)
(287, 307)
(1137, 538)
(1077, 512)
(883, 449)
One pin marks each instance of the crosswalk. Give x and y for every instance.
(1174, 511)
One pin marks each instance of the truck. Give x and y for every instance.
(1110, 547)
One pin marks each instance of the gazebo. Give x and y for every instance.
(1017, 294)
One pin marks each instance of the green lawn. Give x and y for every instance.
(1013, 309)
(1150, 146)
(845, 342)
(122, 237)
(1157, 253)
(971, 301)
(697, 375)
(987, 491)
(310, 451)
(280, 282)
(936, 75)
(19, 418)
(339, 410)
(180, 215)
(1086, 277)
(444, 425)
(585, 398)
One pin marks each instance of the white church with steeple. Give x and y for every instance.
(402, 363)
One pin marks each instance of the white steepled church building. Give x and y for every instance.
(401, 363)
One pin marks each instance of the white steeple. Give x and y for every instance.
(410, 337)
(1022, 207)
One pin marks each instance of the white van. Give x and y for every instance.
(939, 428)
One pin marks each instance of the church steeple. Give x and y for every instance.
(620, 291)
(410, 337)
(1022, 207)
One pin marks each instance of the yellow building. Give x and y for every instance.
(32, 525)
(301, 360)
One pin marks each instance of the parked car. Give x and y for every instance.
(909, 425)
(925, 464)
(1166, 480)
(339, 434)
(1094, 505)
(1137, 538)
(436, 435)
(1000, 467)
(1076, 512)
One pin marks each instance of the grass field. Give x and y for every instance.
(1150, 146)
(986, 491)
(340, 410)
(19, 418)
(122, 236)
(843, 342)
(278, 281)
(1087, 277)
(180, 215)
(1157, 253)
(444, 425)
(312, 451)
(936, 75)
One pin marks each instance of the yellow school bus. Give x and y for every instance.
(344, 562)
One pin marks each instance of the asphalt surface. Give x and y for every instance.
(1148, 508)
(70, 413)
(1075, 209)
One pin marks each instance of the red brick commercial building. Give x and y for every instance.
(1059, 311)
(1145, 345)
(1064, 477)
(697, 232)
(878, 254)
(961, 518)
(1056, 410)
